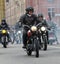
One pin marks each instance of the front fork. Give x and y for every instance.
(33, 43)
(44, 38)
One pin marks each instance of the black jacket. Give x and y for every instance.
(28, 20)
(43, 22)
(4, 26)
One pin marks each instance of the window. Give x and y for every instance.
(51, 12)
(7, 0)
(50, 0)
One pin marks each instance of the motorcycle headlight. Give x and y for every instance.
(34, 28)
(4, 31)
(19, 31)
(8, 32)
(43, 28)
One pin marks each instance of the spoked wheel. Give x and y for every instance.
(45, 44)
(37, 47)
(4, 45)
(4, 42)
(29, 52)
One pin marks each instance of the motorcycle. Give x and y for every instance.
(19, 37)
(4, 38)
(33, 40)
(44, 41)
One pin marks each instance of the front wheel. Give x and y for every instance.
(4, 45)
(29, 50)
(45, 43)
(4, 41)
(36, 47)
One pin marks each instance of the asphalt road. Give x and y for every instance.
(14, 54)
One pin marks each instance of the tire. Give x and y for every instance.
(12, 40)
(36, 47)
(45, 44)
(4, 45)
(29, 51)
(45, 47)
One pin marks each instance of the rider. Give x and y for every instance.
(4, 25)
(28, 19)
(42, 20)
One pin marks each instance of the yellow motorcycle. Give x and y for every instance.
(4, 38)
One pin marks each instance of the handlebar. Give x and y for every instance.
(26, 26)
(32, 25)
(39, 24)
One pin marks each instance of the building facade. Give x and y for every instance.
(2, 9)
(13, 10)
(50, 8)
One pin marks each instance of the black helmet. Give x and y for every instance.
(30, 9)
(40, 15)
(3, 20)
